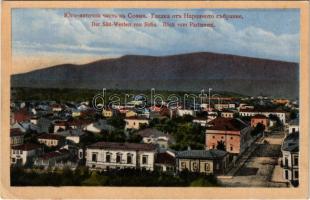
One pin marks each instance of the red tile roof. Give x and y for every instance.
(226, 124)
(122, 146)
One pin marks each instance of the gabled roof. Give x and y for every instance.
(122, 146)
(203, 154)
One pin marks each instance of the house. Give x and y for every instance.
(182, 112)
(107, 113)
(234, 133)
(154, 136)
(165, 162)
(99, 127)
(260, 119)
(23, 154)
(74, 124)
(51, 159)
(51, 140)
(211, 161)
(135, 122)
(20, 116)
(73, 135)
(290, 158)
(227, 114)
(252, 112)
(110, 155)
(76, 113)
(293, 126)
(16, 137)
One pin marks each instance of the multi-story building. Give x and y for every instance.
(290, 158)
(233, 133)
(293, 126)
(110, 155)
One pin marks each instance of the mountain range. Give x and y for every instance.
(184, 72)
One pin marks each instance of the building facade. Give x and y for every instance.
(110, 155)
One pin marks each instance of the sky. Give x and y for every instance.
(44, 37)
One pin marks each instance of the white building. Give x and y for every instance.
(290, 158)
(182, 112)
(250, 113)
(109, 155)
(73, 135)
(99, 126)
(22, 154)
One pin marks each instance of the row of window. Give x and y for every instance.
(207, 166)
(295, 161)
(296, 174)
(17, 151)
(222, 137)
(119, 158)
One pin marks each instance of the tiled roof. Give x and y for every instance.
(203, 154)
(26, 147)
(227, 124)
(151, 132)
(261, 110)
(291, 142)
(122, 146)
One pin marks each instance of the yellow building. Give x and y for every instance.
(131, 113)
(107, 113)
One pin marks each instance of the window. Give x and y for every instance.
(286, 174)
(296, 160)
(231, 148)
(108, 158)
(81, 154)
(293, 130)
(118, 158)
(94, 157)
(183, 165)
(13, 160)
(144, 159)
(296, 174)
(213, 137)
(129, 159)
(231, 138)
(207, 167)
(195, 166)
(286, 162)
(213, 146)
(222, 137)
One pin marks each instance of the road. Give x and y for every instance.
(257, 169)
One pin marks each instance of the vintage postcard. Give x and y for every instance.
(154, 99)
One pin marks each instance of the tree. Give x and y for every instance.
(221, 145)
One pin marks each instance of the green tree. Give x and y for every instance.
(221, 145)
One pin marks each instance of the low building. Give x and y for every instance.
(16, 137)
(290, 158)
(135, 122)
(50, 159)
(99, 127)
(201, 120)
(293, 126)
(110, 155)
(51, 140)
(23, 154)
(222, 106)
(107, 113)
(154, 136)
(233, 133)
(260, 119)
(211, 161)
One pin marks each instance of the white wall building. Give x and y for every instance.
(251, 113)
(22, 154)
(109, 155)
